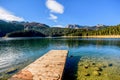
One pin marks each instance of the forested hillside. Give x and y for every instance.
(25, 33)
(111, 30)
(6, 27)
(15, 28)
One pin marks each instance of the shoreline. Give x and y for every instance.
(102, 36)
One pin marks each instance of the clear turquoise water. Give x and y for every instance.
(17, 53)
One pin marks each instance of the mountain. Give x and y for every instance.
(75, 26)
(34, 25)
(23, 29)
(7, 27)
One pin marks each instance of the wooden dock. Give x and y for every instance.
(48, 67)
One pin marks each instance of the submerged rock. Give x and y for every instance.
(12, 71)
(97, 69)
(86, 74)
(80, 64)
(110, 64)
(71, 56)
(104, 66)
(96, 73)
(93, 63)
(86, 66)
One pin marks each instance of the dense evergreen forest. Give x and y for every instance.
(7, 27)
(25, 33)
(26, 29)
(111, 30)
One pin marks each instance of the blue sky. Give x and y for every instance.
(62, 12)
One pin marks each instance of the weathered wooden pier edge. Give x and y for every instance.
(48, 67)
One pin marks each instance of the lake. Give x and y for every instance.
(16, 53)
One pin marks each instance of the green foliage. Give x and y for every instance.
(25, 33)
(6, 27)
(53, 32)
(10, 29)
(112, 30)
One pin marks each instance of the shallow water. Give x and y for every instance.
(17, 53)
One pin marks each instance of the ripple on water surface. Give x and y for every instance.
(87, 58)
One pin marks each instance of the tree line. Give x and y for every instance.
(18, 29)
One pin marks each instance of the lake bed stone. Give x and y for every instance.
(96, 73)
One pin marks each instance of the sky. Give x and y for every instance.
(59, 13)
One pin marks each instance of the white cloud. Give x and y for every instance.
(53, 17)
(8, 16)
(54, 6)
(58, 26)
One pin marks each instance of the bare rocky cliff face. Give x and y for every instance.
(76, 26)
(34, 25)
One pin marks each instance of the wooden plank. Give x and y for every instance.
(48, 67)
